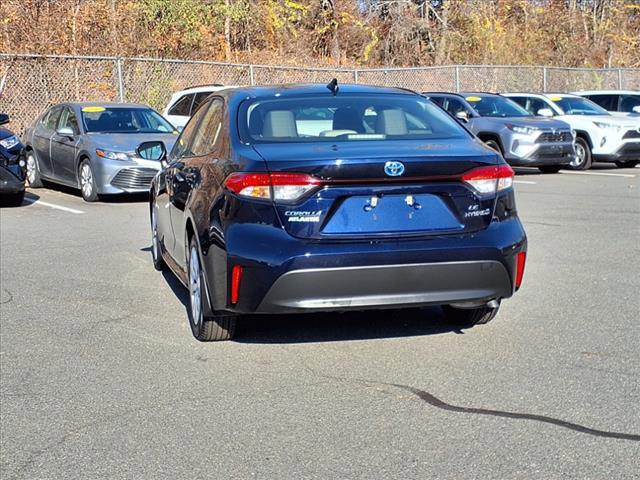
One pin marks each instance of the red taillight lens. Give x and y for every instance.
(274, 186)
(521, 259)
(490, 179)
(236, 277)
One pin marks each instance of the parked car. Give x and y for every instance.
(11, 166)
(601, 136)
(184, 103)
(394, 205)
(506, 127)
(617, 102)
(91, 146)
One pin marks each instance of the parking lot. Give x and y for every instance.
(101, 377)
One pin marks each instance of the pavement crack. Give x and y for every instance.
(9, 294)
(436, 402)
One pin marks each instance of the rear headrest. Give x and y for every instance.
(392, 122)
(279, 123)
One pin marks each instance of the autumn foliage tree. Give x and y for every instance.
(590, 33)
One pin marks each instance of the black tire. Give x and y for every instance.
(494, 145)
(627, 164)
(12, 200)
(87, 182)
(468, 317)
(582, 162)
(550, 168)
(205, 328)
(156, 253)
(33, 171)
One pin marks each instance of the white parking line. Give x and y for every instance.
(526, 182)
(604, 174)
(52, 205)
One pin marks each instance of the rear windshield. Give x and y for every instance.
(494, 106)
(349, 118)
(124, 120)
(578, 106)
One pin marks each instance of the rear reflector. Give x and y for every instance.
(489, 179)
(236, 276)
(522, 258)
(272, 186)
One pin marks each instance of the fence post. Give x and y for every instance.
(620, 82)
(457, 77)
(120, 81)
(252, 80)
(544, 79)
(355, 76)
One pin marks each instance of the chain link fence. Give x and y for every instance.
(31, 83)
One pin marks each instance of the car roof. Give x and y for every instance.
(296, 89)
(203, 88)
(542, 95)
(105, 105)
(607, 92)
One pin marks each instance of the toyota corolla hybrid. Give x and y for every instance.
(309, 198)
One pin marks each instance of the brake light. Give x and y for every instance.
(521, 259)
(272, 186)
(490, 179)
(236, 276)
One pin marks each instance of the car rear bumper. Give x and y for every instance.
(284, 274)
(384, 286)
(10, 182)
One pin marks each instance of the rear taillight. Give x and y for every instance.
(489, 179)
(272, 186)
(521, 259)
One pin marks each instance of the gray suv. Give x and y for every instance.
(523, 140)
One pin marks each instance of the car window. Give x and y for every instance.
(577, 106)
(608, 102)
(454, 105)
(68, 119)
(98, 119)
(207, 134)
(628, 102)
(182, 146)
(182, 106)
(198, 99)
(51, 121)
(495, 106)
(533, 105)
(345, 117)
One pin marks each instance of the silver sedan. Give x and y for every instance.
(93, 147)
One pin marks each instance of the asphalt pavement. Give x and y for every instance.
(100, 376)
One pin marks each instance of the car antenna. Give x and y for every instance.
(333, 86)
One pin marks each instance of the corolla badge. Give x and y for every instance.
(394, 169)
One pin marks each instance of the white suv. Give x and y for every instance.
(600, 137)
(618, 102)
(184, 103)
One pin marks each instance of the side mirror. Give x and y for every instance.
(545, 112)
(154, 150)
(462, 115)
(4, 118)
(636, 109)
(65, 132)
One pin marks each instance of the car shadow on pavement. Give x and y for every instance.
(120, 198)
(339, 326)
(328, 326)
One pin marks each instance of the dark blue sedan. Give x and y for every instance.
(307, 198)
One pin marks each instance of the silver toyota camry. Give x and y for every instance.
(94, 147)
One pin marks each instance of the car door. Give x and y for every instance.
(64, 148)
(185, 173)
(42, 140)
(168, 183)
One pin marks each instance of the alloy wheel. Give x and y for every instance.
(31, 169)
(86, 180)
(195, 290)
(581, 155)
